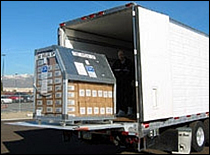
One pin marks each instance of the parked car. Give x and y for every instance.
(16, 98)
(30, 98)
(24, 96)
(5, 100)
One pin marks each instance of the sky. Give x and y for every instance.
(30, 25)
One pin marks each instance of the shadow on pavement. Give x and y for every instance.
(49, 141)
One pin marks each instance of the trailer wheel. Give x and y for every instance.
(206, 125)
(198, 136)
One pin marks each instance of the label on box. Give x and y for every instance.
(71, 109)
(57, 73)
(105, 94)
(49, 109)
(100, 93)
(40, 62)
(44, 86)
(49, 88)
(39, 102)
(82, 110)
(102, 110)
(39, 69)
(91, 71)
(81, 92)
(80, 68)
(49, 67)
(57, 102)
(108, 110)
(110, 94)
(39, 76)
(39, 112)
(49, 81)
(89, 110)
(57, 67)
(71, 87)
(39, 83)
(71, 94)
(111, 110)
(96, 110)
(88, 92)
(83, 55)
(71, 102)
(58, 95)
(38, 96)
(72, 115)
(57, 80)
(94, 93)
(49, 102)
(49, 74)
(58, 110)
(57, 87)
(49, 96)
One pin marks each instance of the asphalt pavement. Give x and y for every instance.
(32, 140)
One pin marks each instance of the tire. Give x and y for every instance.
(206, 127)
(198, 136)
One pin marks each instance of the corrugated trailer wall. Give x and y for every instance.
(174, 65)
(189, 53)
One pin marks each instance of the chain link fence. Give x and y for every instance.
(16, 103)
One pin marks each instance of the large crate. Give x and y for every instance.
(73, 85)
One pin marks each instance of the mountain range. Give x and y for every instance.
(18, 81)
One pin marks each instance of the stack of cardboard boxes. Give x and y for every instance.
(89, 99)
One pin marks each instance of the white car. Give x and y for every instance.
(5, 100)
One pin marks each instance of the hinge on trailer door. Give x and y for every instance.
(136, 83)
(135, 51)
(134, 13)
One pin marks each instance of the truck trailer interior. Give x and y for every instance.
(104, 35)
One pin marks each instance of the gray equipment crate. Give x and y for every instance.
(73, 85)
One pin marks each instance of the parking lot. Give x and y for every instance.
(17, 107)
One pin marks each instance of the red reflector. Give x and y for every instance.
(188, 115)
(176, 117)
(146, 125)
(84, 18)
(101, 13)
(125, 133)
(62, 24)
(92, 16)
(83, 128)
(198, 114)
(129, 4)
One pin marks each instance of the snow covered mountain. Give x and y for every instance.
(18, 81)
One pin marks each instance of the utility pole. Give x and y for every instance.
(3, 55)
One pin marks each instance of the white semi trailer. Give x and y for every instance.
(171, 92)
